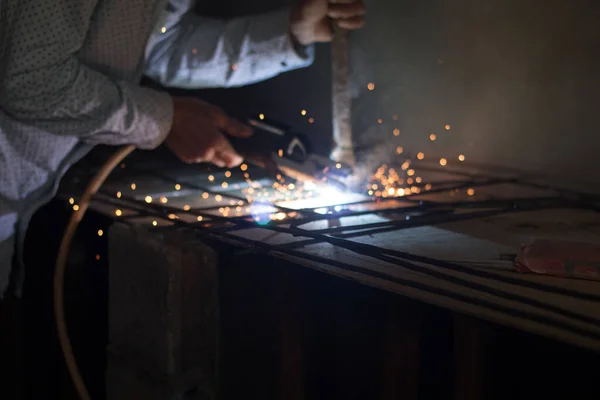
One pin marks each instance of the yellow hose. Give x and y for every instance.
(61, 265)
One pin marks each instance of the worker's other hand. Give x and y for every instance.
(311, 21)
(198, 133)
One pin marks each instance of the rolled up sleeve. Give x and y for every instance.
(189, 51)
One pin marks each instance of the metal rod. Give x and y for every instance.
(341, 101)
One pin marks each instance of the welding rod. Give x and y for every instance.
(293, 173)
(341, 101)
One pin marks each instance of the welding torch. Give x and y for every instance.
(279, 149)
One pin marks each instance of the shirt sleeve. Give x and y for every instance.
(45, 85)
(191, 52)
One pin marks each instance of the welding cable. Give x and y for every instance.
(61, 265)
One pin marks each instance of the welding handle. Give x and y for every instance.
(253, 145)
(260, 142)
(267, 140)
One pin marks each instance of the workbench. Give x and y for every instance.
(452, 246)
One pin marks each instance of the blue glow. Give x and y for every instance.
(261, 211)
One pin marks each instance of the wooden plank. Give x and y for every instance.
(291, 363)
(469, 368)
(453, 298)
(402, 356)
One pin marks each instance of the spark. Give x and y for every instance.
(211, 178)
(163, 29)
(280, 153)
(461, 157)
(243, 167)
(399, 150)
(418, 179)
(471, 191)
(371, 86)
(303, 112)
(177, 186)
(186, 207)
(311, 120)
(148, 199)
(199, 218)
(71, 201)
(234, 67)
(118, 212)
(164, 200)
(420, 155)
(154, 223)
(194, 51)
(224, 185)
(261, 116)
(396, 132)
(428, 186)
(227, 174)
(205, 195)
(218, 197)
(172, 216)
(100, 232)
(432, 137)
(443, 161)
(133, 186)
(388, 179)
(338, 165)
(379, 121)
(447, 127)
(75, 207)
(97, 257)
(118, 195)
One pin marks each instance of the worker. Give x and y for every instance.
(70, 72)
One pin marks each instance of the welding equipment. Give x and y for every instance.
(273, 146)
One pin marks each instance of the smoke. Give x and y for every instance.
(516, 82)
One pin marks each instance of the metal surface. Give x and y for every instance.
(442, 245)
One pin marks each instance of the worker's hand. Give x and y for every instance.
(311, 20)
(197, 133)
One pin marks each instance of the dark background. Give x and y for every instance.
(517, 81)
